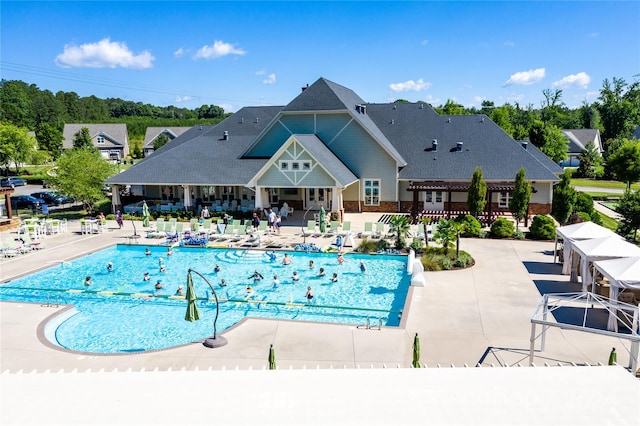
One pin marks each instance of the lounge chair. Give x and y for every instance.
(310, 229)
(7, 251)
(379, 231)
(33, 245)
(13, 245)
(368, 230)
(334, 227)
(346, 229)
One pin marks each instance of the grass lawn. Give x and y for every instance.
(603, 184)
(608, 222)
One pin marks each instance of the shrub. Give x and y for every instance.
(518, 235)
(502, 228)
(464, 260)
(417, 245)
(446, 263)
(431, 261)
(471, 225)
(542, 228)
(367, 246)
(584, 203)
(596, 218)
(382, 244)
(583, 216)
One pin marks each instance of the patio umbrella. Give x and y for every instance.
(272, 358)
(416, 352)
(192, 309)
(145, 214)
(613, 357)
(322, 218)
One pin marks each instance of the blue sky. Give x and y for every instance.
(236, 54)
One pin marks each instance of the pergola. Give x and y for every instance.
(586, 312)
(449, 187)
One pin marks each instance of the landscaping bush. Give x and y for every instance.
(472, 226)
(417, 245)
(382, 244)
(518, 235)
(596, 218)
(446, 263)
(542, 228)
(502, 228)
(432, 261)
(435, 260)
(464, 260)
(367, 246)
(583, 217)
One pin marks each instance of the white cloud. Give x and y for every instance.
(183, 98)
(261, 72)
(592, 35)
(525, 78)
(227, 107)
(271, 79)
(424, 42)
(515, 97)
(178, 53)
(581, 80)
(476, 100)
(217, 50)
(410, 86)
(509, 44)
(103, 54)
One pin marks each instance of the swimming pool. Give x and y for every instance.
(120, 312)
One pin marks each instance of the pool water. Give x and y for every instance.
(120, 312)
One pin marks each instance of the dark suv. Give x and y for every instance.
(51, 197)
(26, 202)
(12, 182)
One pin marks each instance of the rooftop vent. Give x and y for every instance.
(395, 106)
(257, 120)
(358, 107)
(434, 145)
(305, 87)
(421, 106)
(242, 120)
(200, 127)
(524, 144)
(392, 121)
(482, 120)
(225, 135)
(449, 120)
(458, 146)
(363, 108)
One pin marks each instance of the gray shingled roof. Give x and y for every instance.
(332, 164)
(153, 132)
(412, 128)
(201, 156)
(580, 138)
(116, 133)
(636, 133)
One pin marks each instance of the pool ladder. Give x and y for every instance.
(370, 326)
(54, 301)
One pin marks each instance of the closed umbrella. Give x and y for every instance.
(145, 214)
(272, 358)
(322, 218)
(192, 309)
(613, 357)
(416, 352)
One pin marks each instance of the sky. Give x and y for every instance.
(238, 53)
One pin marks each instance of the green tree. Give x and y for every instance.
(619, 108)
(477, 195)
(82, 139)
(625, 162)
(136, 152)
(501, 117)
(15, 105)
(564, 199)
(399, 229)
(629, 209)
(519, 203)
(49, 139)
(447, 233)
(555, 145)
(160, 141)
(590, 159)
(16, 145)
(81, 173)
(451, 108)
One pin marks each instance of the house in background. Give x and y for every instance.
(329, 148)
(154, 132)
(578, 141)
(636, 133)
(111, 140)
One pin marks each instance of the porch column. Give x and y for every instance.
(490, 212)
(258, 203)
(186, 197)
(116, 204)
(335, 199)
(449, 205)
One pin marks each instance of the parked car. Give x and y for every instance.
(12, 182)
(136, 208)
(52, 197)
(26, 202)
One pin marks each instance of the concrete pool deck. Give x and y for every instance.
(478, 315)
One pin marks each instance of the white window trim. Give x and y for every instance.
(503, 202)
(369, 200)
(100, 140)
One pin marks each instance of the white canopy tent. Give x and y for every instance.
(623, 273)
(577, 232)
(600, 249)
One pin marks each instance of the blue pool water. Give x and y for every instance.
(139, 318)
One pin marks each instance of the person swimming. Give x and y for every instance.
(162, 268)
(309, 294)
(169, 251)
(334, 278)
(216, 269)
(311, 265)
(147, 252)
(321, 272)
(223, 283)
(257, 277)
(110, 267)
(146, 277)
(340, 259)
(286, 260)
(276, 281)
(363, 268)
(87, 281)
(179, 290)
(158, 285)
(272, 256)
(295, 276)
